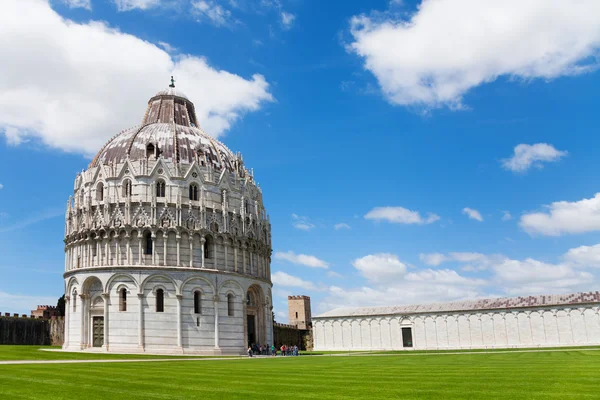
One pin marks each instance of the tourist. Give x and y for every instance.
(273, 351)
(249, 351)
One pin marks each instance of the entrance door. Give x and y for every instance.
(407, 337)
(98, 331)
(251, 330)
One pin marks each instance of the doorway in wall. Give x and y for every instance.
(97, 331)
(407, 337)
(251, 330)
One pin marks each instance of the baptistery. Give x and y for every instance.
(167, 242)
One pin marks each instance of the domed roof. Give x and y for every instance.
(169, 129)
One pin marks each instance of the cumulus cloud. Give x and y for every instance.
(563, 217)
(400, 215)
(301, 222)
(286, 280)
(341, 225)
(506, 216)
(532, 155)
(380, 267)
(472, 213)
(301, 259)
(434, 56)
(585, 256)
(87, 4)
(211, 11)
(476, 261)
(86, 82)
(128, 5)
(287, 20)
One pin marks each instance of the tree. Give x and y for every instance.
(60, 305)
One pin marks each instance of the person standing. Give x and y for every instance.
(249, 351)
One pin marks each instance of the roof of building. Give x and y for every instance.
(470, 305)
(169, 125)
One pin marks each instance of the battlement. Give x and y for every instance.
(46, 307)
(32, 316)
(301, 297)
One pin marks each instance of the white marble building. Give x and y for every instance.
(167, 243)
(530, 321)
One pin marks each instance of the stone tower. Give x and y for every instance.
(299, 311)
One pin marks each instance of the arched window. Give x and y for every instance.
(100, 192)
(208, 247)
(160, 189)
(150, 150)
(193, 192)
(126, 188)
(75, 301)
(123, 299)
(148, 243)
(160, 300)
(230, 305)
(197, 302)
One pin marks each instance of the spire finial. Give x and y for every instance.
(172, 82)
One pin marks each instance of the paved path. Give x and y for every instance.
(19, 362)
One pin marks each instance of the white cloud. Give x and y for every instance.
(302, 223)
(527, 156)
(341, 225)
(506, 216)
(434, 259)
(128, 5)
(478, 261)
(87, 4)
(286, 280)
(400, 215)
(287, 20)
(61, 59)
(333, 274)
(167, 47)
(214, 12)
(472, 213)
(1, 186)
(585, 256)
(564, 217)
(23, 304)
(301, 259)
(380, 267)
(447, 47)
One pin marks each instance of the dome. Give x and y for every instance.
(169, 130)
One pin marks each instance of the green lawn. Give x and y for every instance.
(568, 374)
(8, 353)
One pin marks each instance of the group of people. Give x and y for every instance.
(258, 349)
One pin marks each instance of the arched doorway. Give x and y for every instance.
(255, 316)
(92, 312)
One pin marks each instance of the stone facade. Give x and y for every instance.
(299, 311)
(45, 312)
(168, 244)
(534, 321)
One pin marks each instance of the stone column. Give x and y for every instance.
(216, 306)
(225, 250)
(179, 299)
(215, 253)
(82, 337)
(202, 244)
(165, 236)
(106, 251)
(153, 238)
(191, 240)
(128, 255)
(178, 241)
(244, 258)
(139, 238)
(235, 258)
(106, 297)
(141, 321)
(67, 319)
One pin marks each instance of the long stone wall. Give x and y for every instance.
(32, 331)
(494, 329)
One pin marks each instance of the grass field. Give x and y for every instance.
(567, 374)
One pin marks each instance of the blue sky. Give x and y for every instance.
(407, 151)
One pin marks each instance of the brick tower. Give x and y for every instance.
(299, 311)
